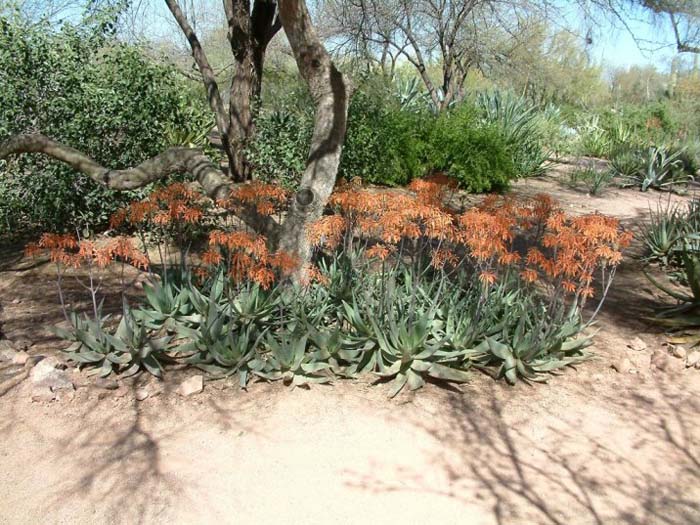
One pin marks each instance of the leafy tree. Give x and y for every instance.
(77, 84)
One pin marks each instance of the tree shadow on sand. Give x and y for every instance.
(630, 460)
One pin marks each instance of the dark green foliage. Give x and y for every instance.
(384, 144)
(86, 90)
(278, 152)
(475, 154)
(390, 145)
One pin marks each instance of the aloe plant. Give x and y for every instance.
(165, 305)
(130, 350)
(409, 354)
(658, 169)
(287, 360)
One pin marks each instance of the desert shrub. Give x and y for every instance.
(627, 162)
(398, 286)
(672, 241)
(522, 126)
(475, 154)
(281, 145)
(390, 145)
(651, 122)
(81, 87)
(593, 180)
(384, 143)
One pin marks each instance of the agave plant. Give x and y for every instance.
(287, 360)
(659, 170)
(128, 351)
(254, 307)
(526, 354)
(665, 229)
(166, 305)
(342, 353)
(522, 127)
(686, 253)
(217, 348)
(594, 140)
(410, 94)
(409, 354)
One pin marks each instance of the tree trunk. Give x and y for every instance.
(330, 96)
(248, 34)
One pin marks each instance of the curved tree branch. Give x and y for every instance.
(173, 160)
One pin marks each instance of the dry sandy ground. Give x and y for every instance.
(591, 447)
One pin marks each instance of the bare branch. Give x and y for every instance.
(208, 77)
(173, 160)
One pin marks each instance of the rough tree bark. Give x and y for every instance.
(173, 160)
(330, 94)
(249, 34)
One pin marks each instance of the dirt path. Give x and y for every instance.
(592, 447)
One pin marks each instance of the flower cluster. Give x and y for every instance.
(67, 250)
(246, 258)
(170, 205)
(551, 247)
(264, 199)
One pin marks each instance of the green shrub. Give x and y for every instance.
(280, 148)
(522, 126)
(477, 155)
(593, 180)
(82, 88)
(384, 144)
(391, 146)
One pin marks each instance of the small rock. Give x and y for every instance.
(141, 394)
(16, 301)
(46, 375)
(637, 344)
(191, 386)
(7, 350)
(659, 360)
(693, 359)
(42, 395)
(679, 351)
(121, 391)
(20, 358)
(106, 383)
(622, 365)
(22, 344)
(156, 388)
